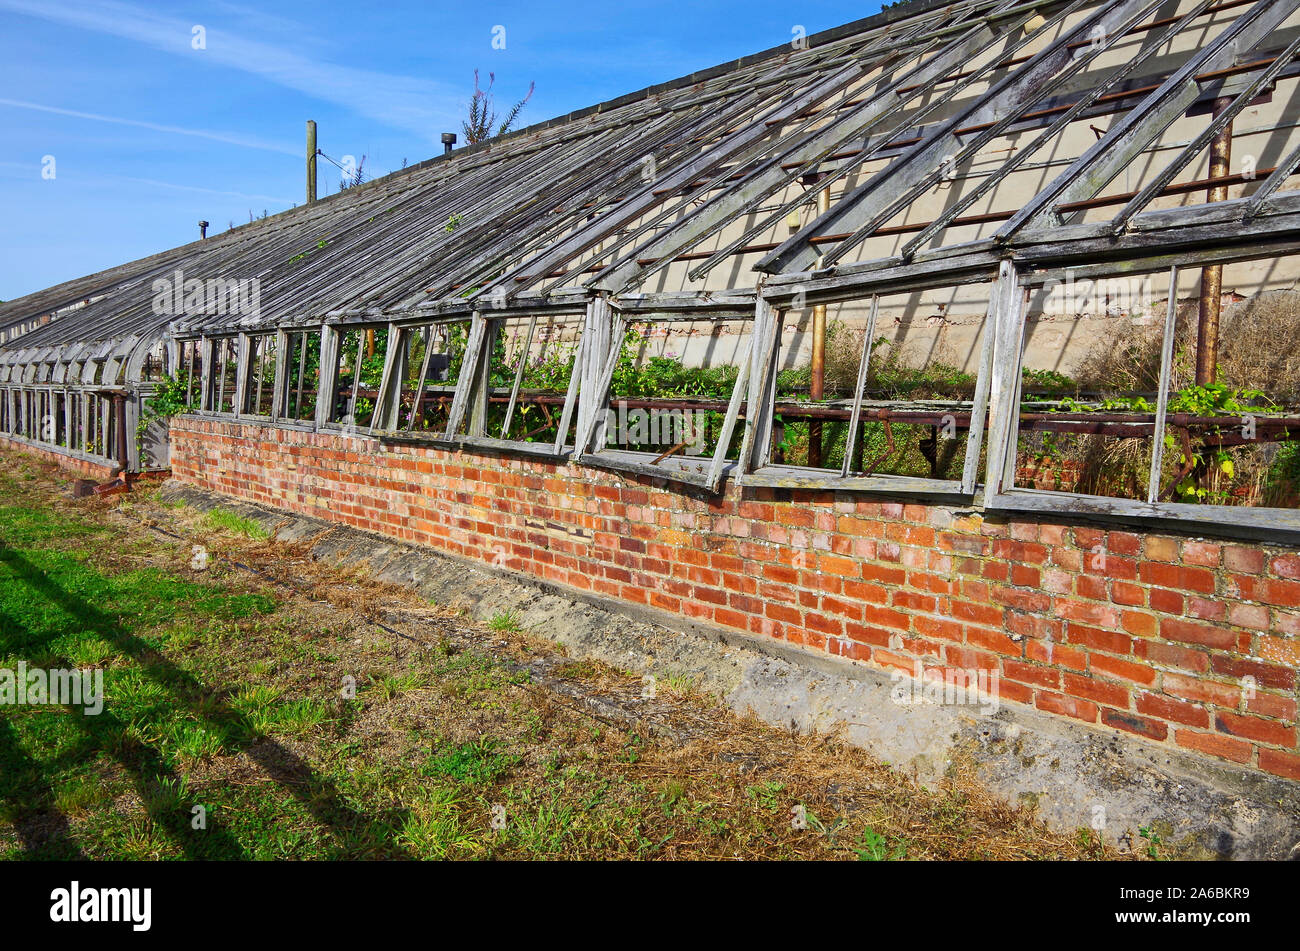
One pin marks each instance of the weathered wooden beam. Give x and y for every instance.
(983, 386)
(926, 158)
(1136, 129)
(1162, 401)
(1222, 120)
(1008, 351)
(864, 361)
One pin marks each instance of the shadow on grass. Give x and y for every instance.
(42, 828)
(156, 782)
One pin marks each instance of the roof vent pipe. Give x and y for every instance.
(203, 230)
(448, 142)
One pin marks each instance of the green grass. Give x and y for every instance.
(471, 764)
(222, 520)
(59, 609)
(504, 621)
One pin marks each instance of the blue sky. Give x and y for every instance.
(117, 135)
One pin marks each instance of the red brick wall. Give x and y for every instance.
(1155, 635)
(84, 467)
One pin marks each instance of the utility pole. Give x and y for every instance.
(1211, 303)
(311, 161)
(818, 376)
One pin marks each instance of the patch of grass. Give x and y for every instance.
(471, 764)
(504, 621)
(874, 847)
(223, 520)
(435, 828)
(577, 669)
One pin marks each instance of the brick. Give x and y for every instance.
(1024, 531)
(969, 659)
(1281, 650)
(860, 527)
(1253, 616)
(1166, 601)
(1280, 764)
(1089, 538)
(1273, 706)
(833, 564)
(1051, 534)
(1066, 706)
(862, 591)
(786, 615)
(1025, 576)
(1091, 587)
(1202, 691)
(1266, 675)
(1131, 722)
(825, 625)
(977, 613)
(1187, 632)
(1177, 711)
(1255, 728)
(1017, 693)
(884, 617)
(1124, 543)
(994, 641)
(883, 574)
(1033, 626)
(868, 634)
(1237, 751)
(1205, 554)
(1031, 674)
(1286, 622)
(1095, 614)
(941, 628)
(911, 601)
(1121, 669)
(1286, 566)
(1284, 594)
(1012, 550)
(1097, 639)
(1208, 609)
(898, 661)
(841, 609)
(1138, 623)
(1125, 593)
(1159, 548)
(1057, 654)
(1098, 691)
(728, 618)
(1022, 600)
(1249, 561)
(1200, 580)
(1059, 582)
(1172, 655)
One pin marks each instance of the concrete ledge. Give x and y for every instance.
(1076, 775)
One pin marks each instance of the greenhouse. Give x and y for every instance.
(889, 258)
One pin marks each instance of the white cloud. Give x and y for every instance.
(244, 141)
(404, 102)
